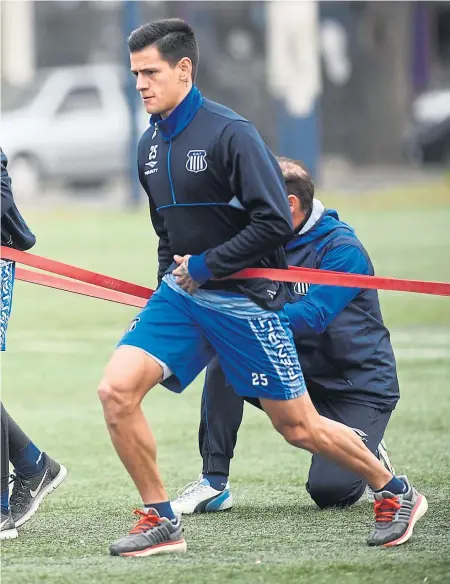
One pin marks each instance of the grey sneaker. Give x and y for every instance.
(383, 457)
(151, 535)
(396, 515)
(7, 528)
(27, 494)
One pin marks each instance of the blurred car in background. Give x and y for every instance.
(70, 124)
(427, 140)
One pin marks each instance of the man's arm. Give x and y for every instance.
(322, 304)
(165, 255)
(257, 183)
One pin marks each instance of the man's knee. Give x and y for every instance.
(128, 377)
(299, 423)
(117, 400)
(296, 435)
(325, 493)
(311, 437)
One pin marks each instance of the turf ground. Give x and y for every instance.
(58, 344)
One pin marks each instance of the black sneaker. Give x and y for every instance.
(7, 528)
(396, 515)
(27, 494)
(151, 535)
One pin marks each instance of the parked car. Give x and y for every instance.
(428, 138)
(70, 124)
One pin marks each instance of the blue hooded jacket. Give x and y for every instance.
(341, 339)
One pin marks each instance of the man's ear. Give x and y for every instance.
(294, 203)
(185, 65)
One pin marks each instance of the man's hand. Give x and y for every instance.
(182, 276)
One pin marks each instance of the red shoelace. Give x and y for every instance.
(146, 521)
(386, 509)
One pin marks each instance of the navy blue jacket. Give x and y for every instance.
(216, 192)
(15, 232)
(342, 342)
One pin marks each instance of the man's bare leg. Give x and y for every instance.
(398, 505)
(129, 375)
(301, 425)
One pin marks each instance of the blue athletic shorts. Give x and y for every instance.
(255, 347)
(7, 279)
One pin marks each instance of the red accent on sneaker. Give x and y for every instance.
(146, 521)
(412, 521)
(385, 509)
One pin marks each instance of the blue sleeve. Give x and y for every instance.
(254, 178)
(322, 304)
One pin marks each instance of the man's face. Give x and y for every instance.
(161, 86)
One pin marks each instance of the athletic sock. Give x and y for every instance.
(164, 509)
(5, 501)
(396, 486)
(25, 457)
(28, 462)
(4, 459)
(216, 480)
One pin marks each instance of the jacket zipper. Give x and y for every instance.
(169, 172)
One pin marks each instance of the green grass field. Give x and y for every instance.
(58, 344)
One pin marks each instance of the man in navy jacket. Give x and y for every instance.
(344, 350)
(217, 202)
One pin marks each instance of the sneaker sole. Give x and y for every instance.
(204, 512)
(9, 534)
(224, 507)
(39, 498)
(206, 506)
(162, 548)
(418, 513)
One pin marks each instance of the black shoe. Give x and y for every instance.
(151, 535)
(7, 528)
(28, 493)
(396, 515)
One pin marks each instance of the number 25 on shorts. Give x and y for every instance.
(259, 379)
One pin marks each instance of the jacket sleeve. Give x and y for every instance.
(165, 255)
(256, 181)
(322, 304)
(15, 232)
(7, 196)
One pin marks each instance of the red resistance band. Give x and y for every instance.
(78, 288)
(35, 261)
(293, 274)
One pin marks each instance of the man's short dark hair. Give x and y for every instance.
(298, 181)
(173, 38)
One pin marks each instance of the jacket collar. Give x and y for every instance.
(181, 116)
(314, 217)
